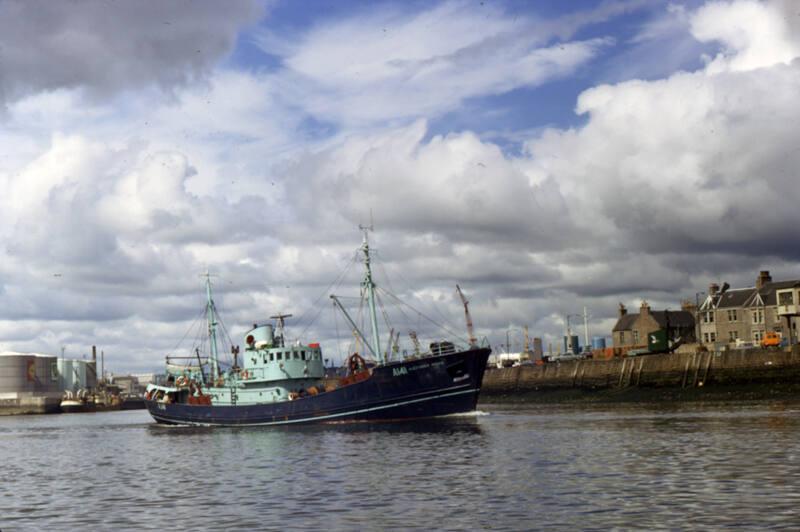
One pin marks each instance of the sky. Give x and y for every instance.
(546, 156)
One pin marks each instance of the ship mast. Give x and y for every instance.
(369, 285)
(281, 326)
(212, 328)
(470, 331)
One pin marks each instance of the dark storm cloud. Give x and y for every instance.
(108, 46)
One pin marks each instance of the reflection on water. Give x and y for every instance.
(595, 466)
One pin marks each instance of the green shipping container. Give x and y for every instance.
(657, 341)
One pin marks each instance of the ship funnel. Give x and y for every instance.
(260, 337)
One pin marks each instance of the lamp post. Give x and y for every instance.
(697, 317)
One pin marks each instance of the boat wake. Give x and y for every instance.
(474, 413)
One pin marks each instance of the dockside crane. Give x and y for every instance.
(472, 340)
(527, 351)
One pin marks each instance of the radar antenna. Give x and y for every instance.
(281, 324)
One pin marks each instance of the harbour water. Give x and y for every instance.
(513, 467)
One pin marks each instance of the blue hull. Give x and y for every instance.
(427, 387)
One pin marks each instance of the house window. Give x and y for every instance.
(621, 337)
(635, 337)
(785, 298)
(713, 337)
(758, 316)
(733, 335)
(732, 315)
(708, 317)
(757, 336)
(705, 337)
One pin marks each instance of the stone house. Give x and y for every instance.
(730, 316)
(631, 329)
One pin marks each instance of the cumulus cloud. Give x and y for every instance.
(688, 162)
(107, 47)
(111, 209)
(389, 64)
(754, 34)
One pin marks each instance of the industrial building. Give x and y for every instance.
(30, 383)
(77, 374)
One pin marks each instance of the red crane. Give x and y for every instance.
(470, 331)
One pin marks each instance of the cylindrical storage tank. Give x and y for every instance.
(598, 342)
(260, 337)
(13, 371)
(28, 372)
(575, 346)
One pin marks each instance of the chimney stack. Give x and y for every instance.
(622, 310)
(763, 278)
(644, 310)
(713, 288)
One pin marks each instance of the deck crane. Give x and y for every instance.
(472, 340)
(415, 340)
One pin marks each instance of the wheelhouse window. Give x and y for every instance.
(279, 355)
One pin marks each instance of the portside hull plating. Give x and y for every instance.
(432, 386)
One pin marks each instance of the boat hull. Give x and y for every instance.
(76, 407)
(426, 387)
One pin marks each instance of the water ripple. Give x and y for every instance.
(503, 468)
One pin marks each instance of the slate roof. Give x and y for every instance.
(767, 293)
(625, 322)
(735, 298)
(677, 318)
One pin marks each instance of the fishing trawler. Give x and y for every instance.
(281, 382)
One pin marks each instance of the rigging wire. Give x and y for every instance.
(408, 285)
(190, 329)
(360, 322)
(401, 302)
(335, 282)
(229, 352)
(385, 318)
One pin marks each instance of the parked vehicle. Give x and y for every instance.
(771, 339)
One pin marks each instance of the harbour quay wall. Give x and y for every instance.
(29, 403)
(680, 371)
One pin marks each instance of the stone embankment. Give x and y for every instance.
(755, 372)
